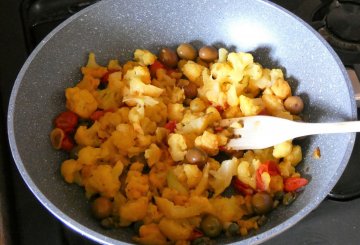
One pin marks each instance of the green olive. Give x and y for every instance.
(186, 51)
(208, 53)
(233, 229)
(101, 207)
(294, 104)
(211, 226)
(262, 203)
(168, 57)
(196, 156)
(202, 241)
(190, 90)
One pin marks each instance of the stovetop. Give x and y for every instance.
(23, 220)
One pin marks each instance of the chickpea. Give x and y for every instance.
(294, 104)
(208, 53)
(196, 156)
(168, 57)
(186, 51)
(262, 202)
(101, 207)
(190, 90)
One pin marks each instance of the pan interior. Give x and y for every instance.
(114, 29)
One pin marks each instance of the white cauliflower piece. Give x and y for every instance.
(193, 72)
(281, 88)
(177, 147)
(175, 111)
(283, 149)
(193, 175)
(208, 142)
(249, 106)
(138, 72)
(137, 87)
(144, 57)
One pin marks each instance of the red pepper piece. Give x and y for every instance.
(218, 129)
(242, 187)
(259, 183)
(97, 115)
(219, 108)
(66, 121)
(195, 234)
(155, 66)
(272, 168)
(67, 144)
(171, 126)
(294, 183)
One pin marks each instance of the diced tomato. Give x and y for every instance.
(294, 183)
(105, 78)
(67, 144)
(155, 66)
(171, 126)
(218, 129)
(242, 187)
(195, 234)
(66, 121)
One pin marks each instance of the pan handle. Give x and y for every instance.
(354, 74)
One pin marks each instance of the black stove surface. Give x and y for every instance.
(24, 23)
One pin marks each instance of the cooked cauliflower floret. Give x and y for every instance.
(104, 179)
(193, 72)
(134, 210)
(295, 156)
(144, 57)
(88, 136)
(281, 88)
(175, 112)
(193, 175)
(208, 142)
(177, 147)
(137, 184)
(283, 149)
(152, 154)
(69, 168)
(175, 230)
(150, 234)
(137, 87)
(80, 101)
(138, 72)
(249, 106)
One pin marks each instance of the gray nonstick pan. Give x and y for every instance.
(115, 28)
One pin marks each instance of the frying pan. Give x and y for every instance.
(114, 29)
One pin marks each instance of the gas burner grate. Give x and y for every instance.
(338, 22)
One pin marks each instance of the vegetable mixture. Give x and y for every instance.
(146, 146)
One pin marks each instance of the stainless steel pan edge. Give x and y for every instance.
(107, 240)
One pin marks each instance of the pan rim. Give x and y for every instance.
(98, 237)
